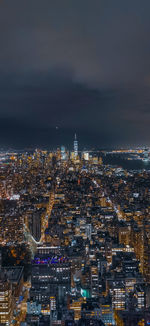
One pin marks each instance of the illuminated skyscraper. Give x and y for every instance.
(50, 278)
(85, 156)
(6, 304)
(75, 147)
(63, 153)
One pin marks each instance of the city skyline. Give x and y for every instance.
(74, 163)
(74, 238)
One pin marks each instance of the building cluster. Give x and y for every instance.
(90, 231)
(11, 286)
(88, 228)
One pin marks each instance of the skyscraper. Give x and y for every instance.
(63, 153)
(75, 147)
(50, 278)
(6, 300)
(35, 225)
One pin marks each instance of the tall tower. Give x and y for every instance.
(75, 147)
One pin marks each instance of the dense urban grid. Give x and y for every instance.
(75, 240)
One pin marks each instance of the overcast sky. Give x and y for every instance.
(74, 66)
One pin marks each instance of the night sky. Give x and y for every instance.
(74, 66)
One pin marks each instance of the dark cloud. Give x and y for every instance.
(80, 65)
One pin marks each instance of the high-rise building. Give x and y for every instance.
(118, 296)
(75, 147)
(35, 225)
(50, 277)
(63, 153)
(86, 156)
(6, 300)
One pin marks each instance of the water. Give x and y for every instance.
(121, 161)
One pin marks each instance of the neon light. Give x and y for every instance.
(50, 260)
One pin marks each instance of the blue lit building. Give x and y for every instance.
(75, 147)
(63, 153)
